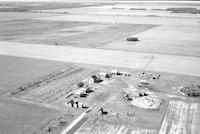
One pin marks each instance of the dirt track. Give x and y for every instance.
(155, 62)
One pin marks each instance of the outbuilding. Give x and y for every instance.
(95, 79)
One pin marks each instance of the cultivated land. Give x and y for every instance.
(48, 48)
(22, 118)
(19, 71)
(55, 32)
(26, 117)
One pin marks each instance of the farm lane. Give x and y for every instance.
(185, 65)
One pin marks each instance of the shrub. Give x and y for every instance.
(132, 39)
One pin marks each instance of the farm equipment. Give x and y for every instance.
(102, 111)
(143, 83)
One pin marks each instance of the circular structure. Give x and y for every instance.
(146, 102)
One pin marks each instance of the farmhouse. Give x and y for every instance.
(95, 79)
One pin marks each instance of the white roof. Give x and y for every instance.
(115, 71)
(79, 91)
(102, 73)
(144, 81)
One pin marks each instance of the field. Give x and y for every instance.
(40, 31)
(176, 121)
(70, 33)
(68, 67)
(8, 16)
(145, 61)
(161, 40)
(23, 6)
(96, 126)
(24, 118)
(16, 72)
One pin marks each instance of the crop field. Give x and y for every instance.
(27, 6)
(34, 30)
(100, 37)
(181, 117)
(22, 118)
(96, 126)
(161, 40)
(71, 33)
(16, 71)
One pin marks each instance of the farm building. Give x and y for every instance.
(95, 79)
